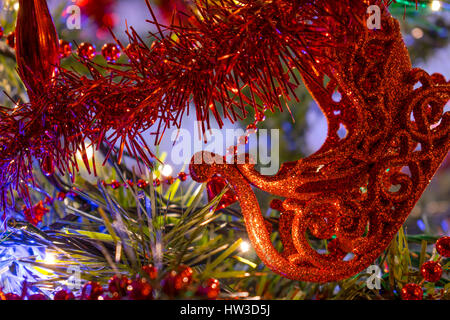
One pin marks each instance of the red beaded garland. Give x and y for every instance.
(111, 52)
(91, 291)
(38, 296)
(412, 291)
(64, 295)
(86, 51)
(65, 49)
(11, 40)
(431, 271)
(443, 246)
(118, 285)
(140, 289)
(151, 271)
(210, 290)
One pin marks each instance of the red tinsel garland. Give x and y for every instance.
(231, 56)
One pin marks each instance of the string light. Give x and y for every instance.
(245, 246)
(50, 258)
(417, 33)
(436, 5)
(166, 170)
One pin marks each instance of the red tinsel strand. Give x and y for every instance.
(226, 58)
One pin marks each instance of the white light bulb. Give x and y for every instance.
(435, 5)
(49, 258)
(166, 170)
(245, 246)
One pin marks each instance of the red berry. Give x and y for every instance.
(86, 51)
(64, 295)
(38, 296)
(1, 32)
(156, 182)
(170, 180)
(65, 49)
(412, 291)
(140, 289)
(61, 196)
(184, 278)
(142, 184)
(118, 285)
(91, 291)
(11, 40)
(431, 271)
(210, 290)
(443, 246)
(168, 284)
(182, 176)
(111, 52)
(115, 184)
(151, 271)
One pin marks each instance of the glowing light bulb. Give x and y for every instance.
(89, 153)
(435, 5)
(166, 170)
(417, 33)
(245, 246)
(50, 258)
(16, 6)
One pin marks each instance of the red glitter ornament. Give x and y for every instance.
(151, 271)
(38, 296)
(209, 290)
(177, 280)
(111, 52)
(86, 51)
(140, 289)
(64, 295)
(91, 291)
(412, 291)
(443, 246)
(431, 271)
(13, 296)
(214, 187)
(65, 49)
(11, 40)
(118, 286)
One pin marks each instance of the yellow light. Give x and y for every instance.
(16, 6)
(245, 246)
(435, 5)
(166, 170)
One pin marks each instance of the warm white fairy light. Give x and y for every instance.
(89, 153)
(435, 5)
(417, 33)
(166, 170)
(50, 258)
(245, 246)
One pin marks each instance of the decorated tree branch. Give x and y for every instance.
(229, 60)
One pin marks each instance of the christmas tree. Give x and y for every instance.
(95, 207)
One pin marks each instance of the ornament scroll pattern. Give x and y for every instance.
(356, 191)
